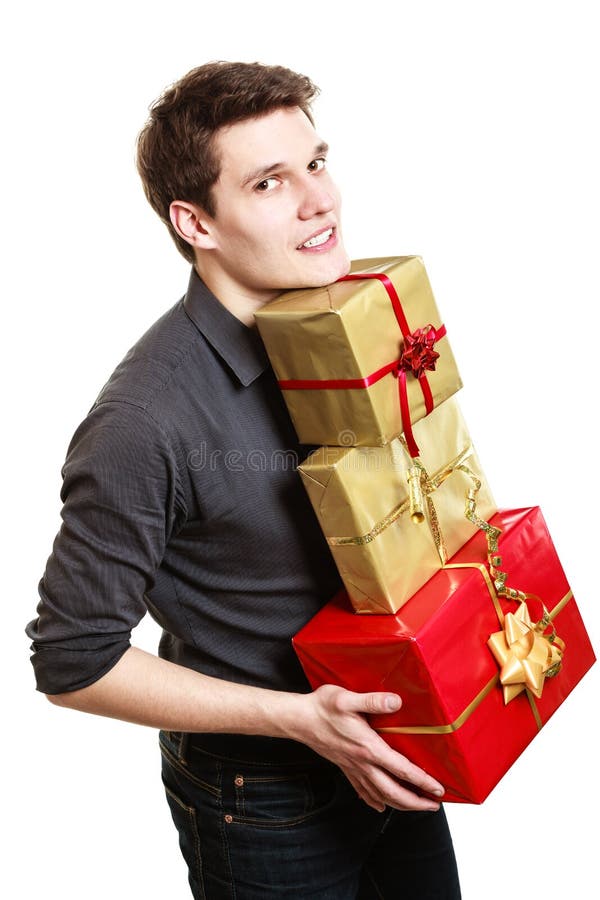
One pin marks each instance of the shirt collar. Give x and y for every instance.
(237, 344)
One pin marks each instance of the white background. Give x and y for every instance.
(462, 131)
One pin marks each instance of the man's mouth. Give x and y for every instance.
(318, 239)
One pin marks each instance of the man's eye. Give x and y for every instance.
(317, 164)
(266, 185)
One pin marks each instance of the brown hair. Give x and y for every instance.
(176, 155)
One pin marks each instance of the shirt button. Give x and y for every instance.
(239, 781)
(228, 819)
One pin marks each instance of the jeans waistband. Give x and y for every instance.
(249, 748)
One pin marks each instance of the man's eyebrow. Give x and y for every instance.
(265, 171)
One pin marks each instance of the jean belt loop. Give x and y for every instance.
(182, 751)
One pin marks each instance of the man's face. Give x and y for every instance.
(277, 221)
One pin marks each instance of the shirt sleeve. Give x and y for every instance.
(121, 501)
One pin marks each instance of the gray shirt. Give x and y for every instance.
(181, 497)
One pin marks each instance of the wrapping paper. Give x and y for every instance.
(455, 721)
(349, 330)
(362, 500)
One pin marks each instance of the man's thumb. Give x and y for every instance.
(382, 703)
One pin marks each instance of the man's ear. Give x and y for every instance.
(192, 224)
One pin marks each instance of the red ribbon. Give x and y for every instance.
(417, 356)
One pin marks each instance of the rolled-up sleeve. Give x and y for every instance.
(121, 502)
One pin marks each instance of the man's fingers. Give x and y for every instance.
(364, 792)
(399, 795)
(405, 770)
(378, 789)
(387, 758)
(350, 742)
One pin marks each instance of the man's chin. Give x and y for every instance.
(326, 272)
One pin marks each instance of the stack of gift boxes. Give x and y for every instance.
(462, 610)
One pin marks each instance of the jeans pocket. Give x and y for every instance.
(188, 778)
(278, 798)
(184, 818)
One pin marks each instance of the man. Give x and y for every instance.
(179, 499)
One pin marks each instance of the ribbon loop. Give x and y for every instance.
(524, 651)
(414, 477)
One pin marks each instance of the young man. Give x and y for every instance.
(179, 499)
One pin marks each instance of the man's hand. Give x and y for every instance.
(335, 726)
(151, 691)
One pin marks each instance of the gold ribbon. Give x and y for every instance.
(487, 689)
(452, 726)
(525, 653)
(421, 486)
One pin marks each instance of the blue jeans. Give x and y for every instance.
(275, 826)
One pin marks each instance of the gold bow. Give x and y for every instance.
(525, 653)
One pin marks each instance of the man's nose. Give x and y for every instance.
(317, 198)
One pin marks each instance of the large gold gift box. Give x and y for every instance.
(339, 353)
(362, 498)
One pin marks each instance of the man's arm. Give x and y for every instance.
(147, 690)
(121, 497)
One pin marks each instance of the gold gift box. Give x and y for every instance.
(362, 499)
(349, 330)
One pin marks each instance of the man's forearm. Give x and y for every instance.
(147, 690)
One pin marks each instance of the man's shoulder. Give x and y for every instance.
(146, 373)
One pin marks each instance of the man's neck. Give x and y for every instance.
(241, 304)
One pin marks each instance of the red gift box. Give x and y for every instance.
(434, 653)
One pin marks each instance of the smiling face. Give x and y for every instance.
(277, 220)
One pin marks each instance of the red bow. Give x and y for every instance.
(418, 354)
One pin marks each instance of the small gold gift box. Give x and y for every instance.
(361, 360)
(392, 521)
